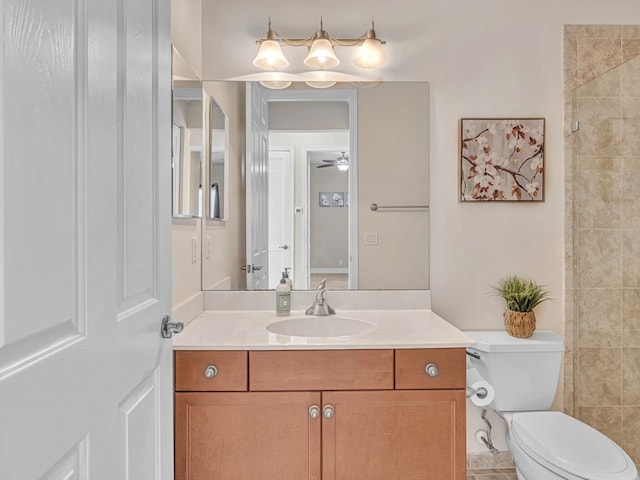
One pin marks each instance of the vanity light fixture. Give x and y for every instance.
(321, 54)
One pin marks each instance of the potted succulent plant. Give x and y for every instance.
(522, 296)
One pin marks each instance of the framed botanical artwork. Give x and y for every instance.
(501, 159)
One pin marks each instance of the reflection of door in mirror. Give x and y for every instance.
(187, 149)
(281, 221)
(257, 266)
(317, 128)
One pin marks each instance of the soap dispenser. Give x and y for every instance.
(283, 298)
(287, 278)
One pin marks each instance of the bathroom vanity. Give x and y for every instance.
(386, 403)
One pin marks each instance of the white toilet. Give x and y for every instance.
(545, 445)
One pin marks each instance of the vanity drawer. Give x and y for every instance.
(411, 365)
(229, 372)
(321, 370)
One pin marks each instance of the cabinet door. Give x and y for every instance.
(246, 436)
(408, 435)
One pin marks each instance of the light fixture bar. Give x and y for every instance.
(306, 42)
(321, 54)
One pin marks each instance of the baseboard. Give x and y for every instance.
(188, 310)
(224, 284)
(500, 462)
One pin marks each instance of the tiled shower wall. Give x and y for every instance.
(602, 179)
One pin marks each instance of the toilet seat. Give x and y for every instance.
(565, 445)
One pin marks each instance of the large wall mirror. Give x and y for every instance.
(186, 152)
(325, 183)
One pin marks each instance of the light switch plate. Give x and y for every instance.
(194, 249)
(371, 238)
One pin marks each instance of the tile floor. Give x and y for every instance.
(492, 474)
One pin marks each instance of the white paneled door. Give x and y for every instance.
(85, 376)
(257, 185)
(280, 215)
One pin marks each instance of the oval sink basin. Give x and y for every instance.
(329, 326)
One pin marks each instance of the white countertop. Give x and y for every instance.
(246, 330)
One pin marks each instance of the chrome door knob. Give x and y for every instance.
(314, 411)
(328, 412)
(211, 371)
(432, 370)
(169, 328)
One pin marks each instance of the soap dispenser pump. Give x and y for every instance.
(287, 278)
(283, 298)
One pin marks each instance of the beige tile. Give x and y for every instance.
(607, 420)
(630, 48)
(630, 31)
(599, 164)
(595, 31)
(598, 199)
(570, 63)
(598, 259)
(600, 127)
(597, 56)
(484, 461)
(599, 317)
(631, 309)
(630, 164)
(630, 201)
(630, 376)
(630, 127)
(630, 251)
(606, 85)
(628, 74)
(631, 432)
(631, 337)
(598, 377)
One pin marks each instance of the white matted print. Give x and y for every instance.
(501, 159)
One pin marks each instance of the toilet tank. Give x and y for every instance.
(523, 371)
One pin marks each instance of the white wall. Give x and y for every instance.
(186, 32)
(221, 265)
(186, 273)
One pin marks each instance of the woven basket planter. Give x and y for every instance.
(520, 324)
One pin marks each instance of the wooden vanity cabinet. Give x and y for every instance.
(379, 415)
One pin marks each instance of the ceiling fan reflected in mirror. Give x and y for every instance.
(342, 162)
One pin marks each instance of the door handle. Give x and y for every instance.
(284, 247)
(169, 328)
(251, 268)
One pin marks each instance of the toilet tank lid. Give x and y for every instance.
(501, 341)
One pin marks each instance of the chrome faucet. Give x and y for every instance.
(320, 306)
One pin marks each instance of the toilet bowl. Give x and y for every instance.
(545, 445)
(553, 446)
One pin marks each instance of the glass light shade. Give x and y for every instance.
(371, 54)
(275, 84)
(343, 167)
(270, 56)
(320, 83)
(321, 55)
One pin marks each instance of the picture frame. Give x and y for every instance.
(501, 159)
